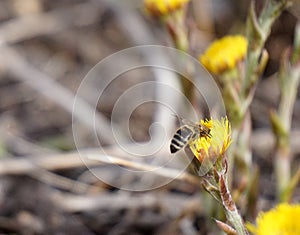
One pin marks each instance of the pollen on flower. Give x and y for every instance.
(218, 141)
(207, 123)
(224, 54)
(283, 220)
(163, 7)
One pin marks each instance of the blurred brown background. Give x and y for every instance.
(46, 49)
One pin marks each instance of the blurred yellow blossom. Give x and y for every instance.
(163, 7)
(215, 144)
(224, 54)
(282, 220)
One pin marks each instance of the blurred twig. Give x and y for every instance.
(72, 203)
(62, 182)
(165, 172)
(90, 157)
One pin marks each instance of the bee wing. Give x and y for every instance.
(206, 165)
(186, 121)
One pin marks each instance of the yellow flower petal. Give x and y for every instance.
(217, 143)
(224, 54)
(282, 220)
(163, 7)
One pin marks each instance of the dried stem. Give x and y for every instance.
(92, 157)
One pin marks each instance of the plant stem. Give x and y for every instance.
(231, 211)
(258, 30)
(289, 77)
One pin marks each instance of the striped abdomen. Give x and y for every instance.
(181, 138)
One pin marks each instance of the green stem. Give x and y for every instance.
(231, 211)
(289, 77)
(258, 30)
(235, 219)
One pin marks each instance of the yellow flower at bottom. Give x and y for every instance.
(216, 143)
(224, 54)
(163, 7)
(282, 220)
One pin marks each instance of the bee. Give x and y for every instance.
(186, 134)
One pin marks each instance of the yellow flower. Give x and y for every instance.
(224, 54)
(282, 220)
(216, 143)
(163, 7)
